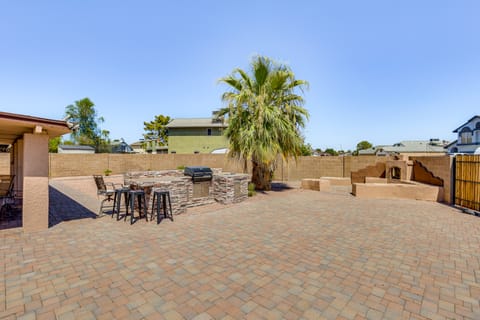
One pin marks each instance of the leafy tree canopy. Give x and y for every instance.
(331, 151)
(306, 150)
(156, 130)
(84, 115)
(53, 144)
(362, 145)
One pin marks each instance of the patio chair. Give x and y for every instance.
(6, 193)
(107, 191)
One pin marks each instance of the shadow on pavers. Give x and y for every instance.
(278, 187)
(63, 208)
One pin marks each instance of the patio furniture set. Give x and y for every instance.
(10, 200)
(135, 196)
(176, 189)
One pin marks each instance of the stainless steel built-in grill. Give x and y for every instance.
(199, 174)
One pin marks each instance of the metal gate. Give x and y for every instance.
(467, 181)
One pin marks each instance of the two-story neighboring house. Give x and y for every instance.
(197, 135)
(468, 137)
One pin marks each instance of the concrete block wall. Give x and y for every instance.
(316, 167)
(70, 165)
(309, 167)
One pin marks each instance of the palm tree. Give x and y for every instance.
(83, 114)
(265, 115)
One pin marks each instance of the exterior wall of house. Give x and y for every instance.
(191, 140)
(468, 137)
(424, 154)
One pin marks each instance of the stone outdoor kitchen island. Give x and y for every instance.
(224, 187)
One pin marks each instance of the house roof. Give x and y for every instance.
(13, 126)
(75, 147)
(407, 146)
(137, 143)
(451, 144)
(372, 150)
(195, 123)
(471, 119)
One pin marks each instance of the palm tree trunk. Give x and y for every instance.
(261, 176)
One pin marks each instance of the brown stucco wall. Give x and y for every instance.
(442, 168)
(398, 191)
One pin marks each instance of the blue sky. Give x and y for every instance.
(381, 71)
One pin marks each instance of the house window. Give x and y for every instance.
(466, 135)
(196, 152)
(173, 151)
(209, 132)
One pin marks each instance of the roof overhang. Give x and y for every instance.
(14, 126)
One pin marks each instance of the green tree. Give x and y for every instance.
(362, 145)
(306, 150)
(156, 130)
(53, 144)
(265, 116)
(84, 115)
(331, 152)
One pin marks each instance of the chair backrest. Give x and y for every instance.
(6, 185)
(101, 187)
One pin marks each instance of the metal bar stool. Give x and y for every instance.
(162, 196)
(117, 199)
(140, 195)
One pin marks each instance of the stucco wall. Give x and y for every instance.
(442, 168)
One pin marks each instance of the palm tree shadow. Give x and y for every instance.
(63, 208)
(277, 187)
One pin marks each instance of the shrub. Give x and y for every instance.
(251, 189)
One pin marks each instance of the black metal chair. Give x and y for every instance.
(107, 191)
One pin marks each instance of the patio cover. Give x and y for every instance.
(29, 137)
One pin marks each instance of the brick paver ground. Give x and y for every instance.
(294, 254)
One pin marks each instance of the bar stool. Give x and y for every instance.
(162, 197)
(140, 195)
(117, 199)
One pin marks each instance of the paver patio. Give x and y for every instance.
(294, 254)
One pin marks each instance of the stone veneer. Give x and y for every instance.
(224, 187)
(230, 187)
